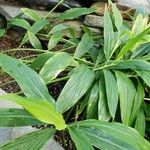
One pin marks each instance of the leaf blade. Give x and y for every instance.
(33, 140)
(40, 109)
(80, 82)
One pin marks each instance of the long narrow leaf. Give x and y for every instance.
(145, 75)
(126, 91)
(111, 136)
(135, 64)
(81, 140)
(108, 34)
(103, 110)
(75, 88)
(33, 141)
(132, 42)
(111, 91)
(75, 12)
(55, 65)
(40, 109)
(11, 117)
(29, 81)
(84, 46)
(92, 107)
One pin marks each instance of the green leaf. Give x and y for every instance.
(58, 28)
(40, 109)
(75, 88)
(81, 140)
(108, 34)
(140, 51)
(145, 75)
(111, 92)
(35, 42)
(20, 23)
(84, 45)
(140, 124)
(111, 136)
(127, 92)
(29, 81)
(33, 141)
(135, 64)
(41, 60)
(2, 32)
(117, 16)
(36, 27)
(103, 110)
(138, 100)
(55, 38)
(11, 117)
(31, 13)
(55, 65)
(92, 108)
(132, 42)
(75, 12)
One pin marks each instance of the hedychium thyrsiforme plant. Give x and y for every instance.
(106, 88)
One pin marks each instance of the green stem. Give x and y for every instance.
(84, 61)
(104, 67)
(59, 79)
(68, 41)
(9, 82)
(48, 15)
(147, 99)
(26, 49)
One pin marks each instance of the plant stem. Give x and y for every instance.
(26, 49)
(59, 79)
(84, 61)
(48, 15)
(104, 67)
(147, 99)
(9, 82)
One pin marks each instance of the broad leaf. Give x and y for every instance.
(29, 81)
(103, 110)
(140, 51)
(108, 34)
(132, 42)
(84, 46)
(111, 136)
(55, 38)
(33, 141)
(92, 107)
(38, 26)
(11, 117)
(145, 75)
(41, 60)
(75, 88)
(81, 140)
(135, 64)
(58, 28)
(55, 65)
(35, 42)
(126, 91)
(117, 16)
(20, 23)
(140, 123)
(111, 91)
(138, 100)
(31, 13)
(75, 12)
(40, 109)
(35, 28)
